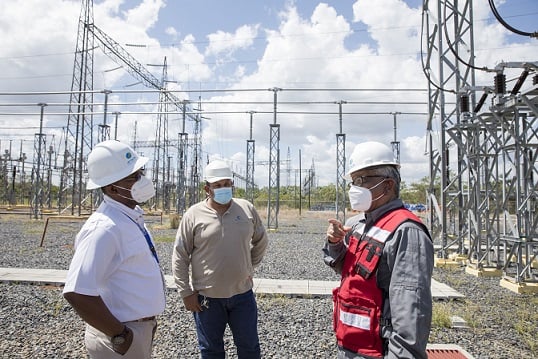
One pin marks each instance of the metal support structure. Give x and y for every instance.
(79, 134)
(104, 128)
(274, 177)
(48, 186)
(517, 117)
(274, 167)
(4, 174)
(251, 148)
(116, 114)
(395, 143)
(196, 165)
(161, 150)
(181, 190)
(447, 135)
(22, 160)
(39, 163)
(487, 207)
(340, 168)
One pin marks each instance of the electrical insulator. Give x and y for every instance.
(520, 82)
(480, 102)
(500, 83)
(464, 103)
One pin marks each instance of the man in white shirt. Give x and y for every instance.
(114, 281)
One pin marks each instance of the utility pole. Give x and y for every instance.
(104, 129)
(251, 147)
(395, 143)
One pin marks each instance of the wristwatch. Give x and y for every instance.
(120, 338)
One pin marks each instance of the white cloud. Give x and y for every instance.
(225, 42)
(145, 15)
(321, 49)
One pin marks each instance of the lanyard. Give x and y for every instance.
(148, 238)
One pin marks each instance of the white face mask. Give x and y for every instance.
(141, 191)
(360, 198)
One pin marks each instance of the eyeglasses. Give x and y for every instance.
(360, 180)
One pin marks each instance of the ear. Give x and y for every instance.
(109, 189)
(390, 185)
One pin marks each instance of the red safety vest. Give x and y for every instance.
(358, 302)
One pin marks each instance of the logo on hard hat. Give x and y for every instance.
(129, 157)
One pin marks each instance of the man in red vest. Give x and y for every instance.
(383, 307)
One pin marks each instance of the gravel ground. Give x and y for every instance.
(36, 322)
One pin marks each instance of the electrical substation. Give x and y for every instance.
(482, 141)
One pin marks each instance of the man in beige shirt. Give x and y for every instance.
(221, 240)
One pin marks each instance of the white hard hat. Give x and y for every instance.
(111, 161)
(217, 170)
(370, 154)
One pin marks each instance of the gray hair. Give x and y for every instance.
(390, 172)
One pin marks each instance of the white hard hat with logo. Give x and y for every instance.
(217, 170)
(111, 161)
(370, 154)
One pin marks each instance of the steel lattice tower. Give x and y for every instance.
(79, 134)
(160, 154)
(487, 205)
(251, 148)
(194, 194)
(274, 168)
(181, 188)
(340, 169)
(446, 82)
(38, 169)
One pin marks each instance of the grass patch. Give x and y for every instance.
(441, 314)
(164, 239)
(526, 323)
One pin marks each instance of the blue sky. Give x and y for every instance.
(249, 44)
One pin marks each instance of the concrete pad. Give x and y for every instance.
(482, 272)
(277, 286)
(38, 276)
(442, 291)
(446, 263)
(458, 322)
(312, 288)
(324, 288)
(519, 288)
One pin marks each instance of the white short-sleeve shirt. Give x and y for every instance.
(113, 260)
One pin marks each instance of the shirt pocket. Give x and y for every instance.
(135, 248)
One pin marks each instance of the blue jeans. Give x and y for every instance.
(240, 312)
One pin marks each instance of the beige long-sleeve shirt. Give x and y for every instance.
(220, 251)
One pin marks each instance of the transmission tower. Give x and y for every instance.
(38, 187)
(181, 186)
(161, 151)
(79, 134)
(195, 170)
